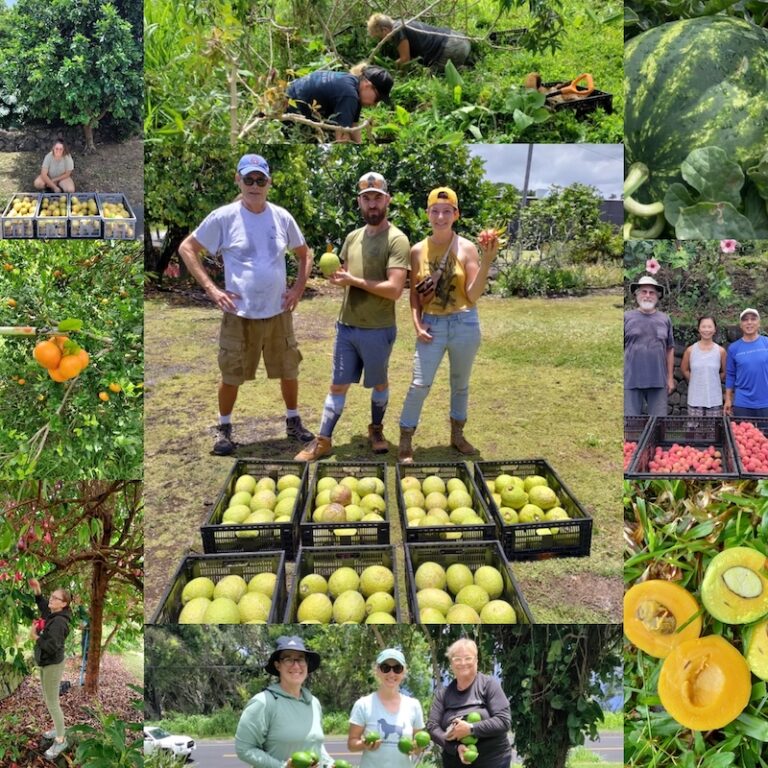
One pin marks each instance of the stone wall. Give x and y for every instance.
(10, 680)
(40, 139)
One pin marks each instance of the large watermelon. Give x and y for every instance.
(690, 84)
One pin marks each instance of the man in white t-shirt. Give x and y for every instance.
(252, 236)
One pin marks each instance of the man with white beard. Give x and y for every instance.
(649, 352)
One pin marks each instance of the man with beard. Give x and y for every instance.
(375, 261)
(649, 352)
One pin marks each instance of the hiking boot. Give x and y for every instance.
(297, 431)
(319, 447)
(224, 444)
(55, 749)
(458, 441)
(50, 735)
(405, 451)
(376, 438)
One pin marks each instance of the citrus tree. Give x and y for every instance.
(90, 425)
(86, 537)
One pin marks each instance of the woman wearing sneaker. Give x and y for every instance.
(445, 315)
(49, 655)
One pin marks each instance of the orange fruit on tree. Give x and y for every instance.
(22, 381)
(70, 366)
(59, 340)
(84, 358)
(103, 396)
(11, 303)
(47, 354)
(115, 387)
(8, 267)
(55, 374)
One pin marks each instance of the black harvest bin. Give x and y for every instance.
(564, 538)
(216, 567)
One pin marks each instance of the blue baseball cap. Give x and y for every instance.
(250, 163)
(391, 653)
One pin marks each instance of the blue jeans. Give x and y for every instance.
(459, 335)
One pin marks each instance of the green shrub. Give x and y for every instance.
(540, 280)
(335, 722)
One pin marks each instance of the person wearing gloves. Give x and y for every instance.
(49, 656)
(388, 712)
(285, 717)
(470, 691)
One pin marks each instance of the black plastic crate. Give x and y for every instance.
(347, 534)
(215, 567)
(20, 225)
(446, 470)
(697, 431)
(52, 227)
(634, 427)
(218, 538)
(762, 424)
(472, 554)
(582, 106)
(325, 560)
(566, 538)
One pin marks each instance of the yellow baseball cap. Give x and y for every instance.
(443, 195)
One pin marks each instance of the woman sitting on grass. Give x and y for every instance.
(56, 173)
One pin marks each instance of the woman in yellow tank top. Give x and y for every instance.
(448, 322)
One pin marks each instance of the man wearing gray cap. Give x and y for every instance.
(375, 261)
(649, 352)
(746, 370)
(252, 236)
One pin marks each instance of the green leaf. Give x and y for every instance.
(70, 324)
(557, 702)
(452, 76)
(7, 537)
(758, 174)
(678, 196)
(755, 727)
(713, 221)
(756, 210)
(522, 120)
(718, 178)
(555, 650)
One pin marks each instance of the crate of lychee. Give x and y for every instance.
(52, 216)
(234, 588)
(343, 585)
(258, 508)
(538, 514)
(463, 583)
(347, 505)
(118, 217)
(750, 440)
(440, 502)
(634, 427)
(685, 447)
(19, 215)
(84, 215)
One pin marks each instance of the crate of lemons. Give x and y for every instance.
(52, 216)
(19, 216)
(84, 216)
(119, 218)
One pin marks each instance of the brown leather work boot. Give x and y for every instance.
(319, 447)
(405, 452)
(458, 441)
(376, 438)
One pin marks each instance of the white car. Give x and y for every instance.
(159, 740)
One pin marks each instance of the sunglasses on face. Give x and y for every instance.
(396, 668)
(259, 181)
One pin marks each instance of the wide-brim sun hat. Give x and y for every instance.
(644, 282)
(292, 643)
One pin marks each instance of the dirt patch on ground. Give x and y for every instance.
(112, 168)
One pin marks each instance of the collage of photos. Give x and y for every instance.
(310, 319)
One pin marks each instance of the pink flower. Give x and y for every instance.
(652, 266)
(729, 246)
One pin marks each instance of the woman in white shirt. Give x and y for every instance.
(703, 366)
(56, 173)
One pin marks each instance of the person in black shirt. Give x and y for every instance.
(433, 46)
(49, 655)
(471, 691)
(338, 97)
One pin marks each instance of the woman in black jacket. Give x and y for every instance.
(49, 655)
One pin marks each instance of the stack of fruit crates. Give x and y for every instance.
(326, 560)
(219, 537)
(749, 437)
(52, 216)
(118, 217)
(216, 567)
(477, 531)
(473, 555)
(349, 533)
(571, 537)
(19, 220)
(703, 433)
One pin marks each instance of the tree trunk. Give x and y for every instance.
(89, 145)
(158, 260)
(99, 584)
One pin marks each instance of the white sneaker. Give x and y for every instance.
(50, 734)
(55, 749)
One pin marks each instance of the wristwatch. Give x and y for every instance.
(471, 729)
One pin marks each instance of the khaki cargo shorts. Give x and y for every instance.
(243, 340)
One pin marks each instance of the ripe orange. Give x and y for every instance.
(8, 267)
(55, 374)
(60, 341)
(84, 358)
(11, 303)
(22, 381)
(103, 396)
(115, 387)
(47, 354)
(70, 366)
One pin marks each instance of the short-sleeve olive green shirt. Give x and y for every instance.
(370, 258)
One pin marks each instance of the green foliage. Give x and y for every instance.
(10, 748)
(540, 280)
(79, 61)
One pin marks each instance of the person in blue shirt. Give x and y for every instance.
(746, 370)
(338, 97)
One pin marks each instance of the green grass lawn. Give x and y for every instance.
(134, 663)
(546, 383)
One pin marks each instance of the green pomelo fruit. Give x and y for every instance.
(430, 597)
(405, 745)
(532, 481)
(508, 515)
(372, 737)
(431, 616)
(350, 482)
(301, 760)
(462, 614)
(259, 516)
(340, 494)
(367, 485)
(284, 507)
(381, 618)
(235, 514)
(254, 606)
(286, 481)
(469, 740)
(456, 484)
(471, 754)
(329, 262)
(334, 513)
(458, 515)
(409, 482)
(380, 486)
(439, 513)
(435, 500)
(432, 484)
(514, 497)
(413, 498)
(543, 497)
(353, 512)
(501, 482)
(422, 739)
(264, 583)
(342, 580)
(263, 500)
(472, 519)
(315, 607)
(430, 574)
(376, 578)
(530, 513)
(194, 611)
(323, 498)
(242, 497)
(458, 576)
(232, 587)
(556, 513)
(266, 484)
(326, 483)
(473, 596)
(380, 602)
(311, 584)
(487, 577)
(450, 535)
(349, 606)
(222, 611)
(459, 498)
(372, 517)
(283, 519)
(473, 717)
(415, 513)
(245, 483)
(288, 493)
(202, 586)
(498, 612)
(373, 502)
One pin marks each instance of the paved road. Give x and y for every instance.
(221, 754)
